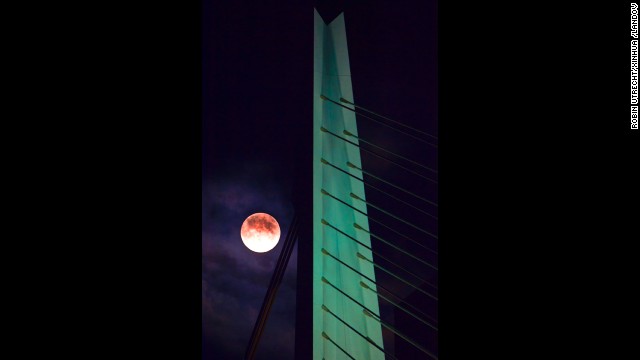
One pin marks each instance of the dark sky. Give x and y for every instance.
(257, 86)
(538, 196)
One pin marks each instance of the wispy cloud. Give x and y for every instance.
(235, 279)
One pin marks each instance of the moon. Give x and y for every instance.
(260, 232)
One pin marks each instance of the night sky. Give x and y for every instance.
(257, 84)
(538, 196)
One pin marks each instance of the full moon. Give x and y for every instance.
(260, 232)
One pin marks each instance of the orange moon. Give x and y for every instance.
(260, 232)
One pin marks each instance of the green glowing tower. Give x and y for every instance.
(340, 326)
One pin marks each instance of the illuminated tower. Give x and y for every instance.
(343, 279)
(339, 301)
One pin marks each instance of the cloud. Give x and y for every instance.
(235, 279)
